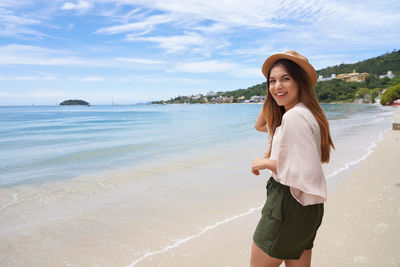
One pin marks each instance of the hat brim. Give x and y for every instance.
(305, 65)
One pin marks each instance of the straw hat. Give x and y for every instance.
(296, 58)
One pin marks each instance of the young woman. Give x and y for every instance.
(299, 142)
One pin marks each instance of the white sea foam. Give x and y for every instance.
(179, 242)
(94, 192)
(15, 200)
(188, 238)
(369, 150)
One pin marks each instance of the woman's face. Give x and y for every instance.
(283, 87)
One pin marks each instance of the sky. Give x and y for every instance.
(127, 52)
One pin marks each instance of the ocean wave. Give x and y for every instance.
(15, 200)
(369, 150)
(188, 238)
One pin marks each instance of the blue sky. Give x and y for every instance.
(137, 51)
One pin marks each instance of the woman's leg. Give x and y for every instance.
(261, 259)
(304, 261)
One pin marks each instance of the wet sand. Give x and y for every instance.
(361, 226)
(199, 213)
(362, 220)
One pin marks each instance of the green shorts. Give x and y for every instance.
(286, 227)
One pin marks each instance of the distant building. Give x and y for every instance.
(389, 74)
(241, 99)
(256, 98)
(219, 99)
(321, 79)
(352, 77)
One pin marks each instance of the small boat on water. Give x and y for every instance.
(396, 102)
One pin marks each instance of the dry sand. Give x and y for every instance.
(361, 226)
(362, 220)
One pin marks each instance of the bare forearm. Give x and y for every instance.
(270, 164)
(261, 124)
(262, 164)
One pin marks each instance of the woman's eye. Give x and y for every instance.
(271, 81)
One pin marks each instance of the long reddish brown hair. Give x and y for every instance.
(273, 113)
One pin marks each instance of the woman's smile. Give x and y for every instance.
(281, 95)
(283, 87)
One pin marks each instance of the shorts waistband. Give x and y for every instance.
(272, 183)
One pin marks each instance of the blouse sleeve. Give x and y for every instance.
(299, 160)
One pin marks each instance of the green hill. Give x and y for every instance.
(377, 65)
(333, 90)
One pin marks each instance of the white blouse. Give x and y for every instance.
(296, 147)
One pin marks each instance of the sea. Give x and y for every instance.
(112, 185)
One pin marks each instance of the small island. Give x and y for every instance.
(74, 102)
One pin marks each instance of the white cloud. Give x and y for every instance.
(88, 79)
(46, 93)
(229, 38)
(214, 28)
(205, 66)
(323, 20)
(153, 79)
(214, 66)
(80, 6)
(274, 13)
(28, 78)
(15, 54)
(70, 26)
(264, 50)
(190, 40)
(9, 18)
(234, 13)
(12, 3)
(173, 43)
(145, 25)
(145, 79)
(14, 25)
(35, 94)
(140, 60)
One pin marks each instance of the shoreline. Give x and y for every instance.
(361, 223)
(335, 102)
(139, 104)
(350, 235)
(108, 218)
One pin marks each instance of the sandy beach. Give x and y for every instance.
(197, 207)
(361, 225)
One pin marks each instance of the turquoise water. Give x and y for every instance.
(114, 185)
(44, 143)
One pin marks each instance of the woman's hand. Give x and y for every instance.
(257, 165)
(261, 164)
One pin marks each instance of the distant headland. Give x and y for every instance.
(74, 102)
(361, 82)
